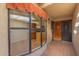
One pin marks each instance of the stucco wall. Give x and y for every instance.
(3, 30)
(49, 31)
(75, 35)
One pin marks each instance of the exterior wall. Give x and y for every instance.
(3, 30)
(75, 37)
(49, 31)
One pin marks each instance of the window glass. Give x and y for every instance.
(19, 33)
(22, 35)
(43, 32)
(36, 33)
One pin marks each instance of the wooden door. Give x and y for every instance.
(57, 31)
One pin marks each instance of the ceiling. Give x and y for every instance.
(59, 11)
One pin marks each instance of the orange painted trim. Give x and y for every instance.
(29, 7)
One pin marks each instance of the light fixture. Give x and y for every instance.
(75, 31)
(77, 24)
(77, 15)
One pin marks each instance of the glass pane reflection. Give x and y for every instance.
(36, 33)
(19, 33)
(43, 32)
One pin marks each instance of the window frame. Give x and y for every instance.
(30, 35)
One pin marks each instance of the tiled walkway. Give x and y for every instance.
(60, 48)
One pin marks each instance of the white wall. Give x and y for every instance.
(3, 30)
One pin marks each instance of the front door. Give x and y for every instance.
(57, 31)
(66, 30)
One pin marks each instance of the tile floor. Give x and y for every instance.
(60, 48)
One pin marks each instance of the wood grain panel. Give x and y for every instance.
(57, 31)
